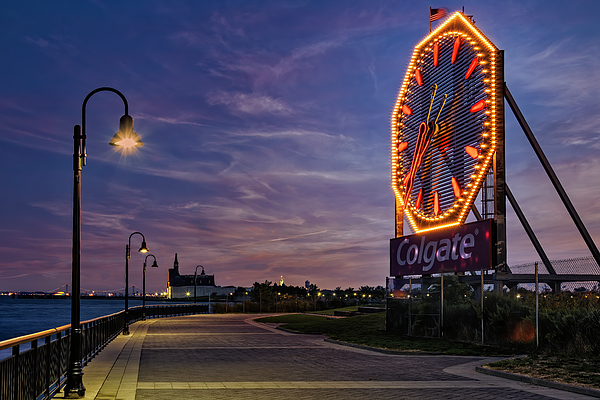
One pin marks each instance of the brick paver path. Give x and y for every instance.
(233, 357)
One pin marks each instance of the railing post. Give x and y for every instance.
(32, 387)
(17, 372)
(48, 343)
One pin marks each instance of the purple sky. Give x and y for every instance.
(266, 134)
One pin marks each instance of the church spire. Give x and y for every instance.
(176, 265)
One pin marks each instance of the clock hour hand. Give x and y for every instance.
(426, 132)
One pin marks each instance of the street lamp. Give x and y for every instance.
(195, 279)
(154, 265)
(74, 388)
(227, 302)
(276, 300)
(143, 249)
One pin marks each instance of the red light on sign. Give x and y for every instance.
(472, 151)
(455, 50)
(418, 77)
(456, 187)
(419, 198)
(436, 54)
(406, 110)
(471, 67)
(402, 146)
(480, 105)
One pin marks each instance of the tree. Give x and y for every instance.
(339, 291)
(454, 290)
(263, 294)
(380, 292)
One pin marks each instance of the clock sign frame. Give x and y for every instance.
(446, 125)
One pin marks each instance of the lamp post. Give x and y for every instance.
(154, 265)
(126, 138)
(143, 249)
(195, 280)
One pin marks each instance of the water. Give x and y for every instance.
(20, 317)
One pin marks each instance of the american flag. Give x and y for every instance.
(436, 13)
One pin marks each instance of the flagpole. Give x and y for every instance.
(429, 19)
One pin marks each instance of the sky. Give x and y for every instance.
(266, 130)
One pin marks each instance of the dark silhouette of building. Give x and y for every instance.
(178, 280)
(182, 286)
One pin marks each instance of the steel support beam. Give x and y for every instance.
(530, 232)
(500, 177)
(399, 219)
(548, 168)
(475, 212)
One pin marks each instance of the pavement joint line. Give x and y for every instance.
(121, 380)
(315, 385)
(97, 371)
(128, 385)
(232, 347)
(213, 334)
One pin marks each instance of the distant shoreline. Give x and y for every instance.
(83, 296)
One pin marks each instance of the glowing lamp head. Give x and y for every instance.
(144, 248)
(126, 137)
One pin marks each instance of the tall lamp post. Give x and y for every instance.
(126, 138)
(143, 249)
(195, 279)
(154, 265)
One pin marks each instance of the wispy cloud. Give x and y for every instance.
(252, 103)
(167, 120)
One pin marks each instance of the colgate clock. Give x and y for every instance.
(444, 124)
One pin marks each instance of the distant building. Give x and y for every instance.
(182, 286)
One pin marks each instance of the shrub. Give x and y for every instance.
(568, 322)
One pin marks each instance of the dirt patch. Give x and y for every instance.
(581, 371)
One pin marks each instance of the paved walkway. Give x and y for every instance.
(233, 357)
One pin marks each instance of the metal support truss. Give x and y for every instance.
(548, 168)
(530, 233)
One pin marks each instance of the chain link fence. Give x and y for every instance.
(569, 266)
(580, 265)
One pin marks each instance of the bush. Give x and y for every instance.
(568, 323)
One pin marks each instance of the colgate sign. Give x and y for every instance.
(463, 248)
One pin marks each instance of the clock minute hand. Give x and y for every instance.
(422, 133)
(433, 92)
(440, 111)
(426, 133)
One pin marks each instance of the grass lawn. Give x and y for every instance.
(369, 330)
(331, 312)
(348, 308)
(581, 371)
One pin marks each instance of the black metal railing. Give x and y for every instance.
(37, 368)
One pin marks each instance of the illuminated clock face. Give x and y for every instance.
(444, 125)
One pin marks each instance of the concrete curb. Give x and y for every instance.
(386, 351)
(298, 333)
(539, 382)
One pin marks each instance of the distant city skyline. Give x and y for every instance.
(266, 130)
